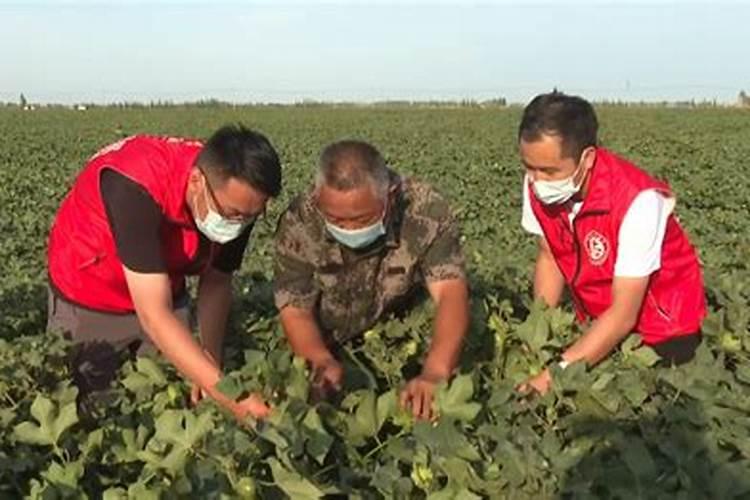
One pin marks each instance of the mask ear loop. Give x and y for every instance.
(581, 163)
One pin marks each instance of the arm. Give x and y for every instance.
(151, 294)
(641, 237)
(215, 294)
(135, 219)
(443, 268)
(548, 280)
(451, 298)
(303, 334)
(214, 303)
(608, 330)
(296, 296)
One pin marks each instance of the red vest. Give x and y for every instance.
(675, 301)
(82, 257)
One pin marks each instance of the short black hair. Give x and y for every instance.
(569, 117)
(350, 164)
(239, 152)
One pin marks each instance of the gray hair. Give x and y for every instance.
(351, 164)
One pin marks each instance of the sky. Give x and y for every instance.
(264, 51)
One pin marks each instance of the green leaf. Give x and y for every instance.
(148, 367)
(65, 476)
(298, 384)
(318, 440)
(630, 344)
(182, 428)
(138, 383)
(453, 401)
(364, 422)
(453, 492)
(115, 494)
(292, 483)
(603, 381)
(140, 491)
(444, 439)
(639, 460)
(536, 329)
(632, 388)
(230, 387)
(94, 441)
(387, 406)
(51, 423)
(646, 356)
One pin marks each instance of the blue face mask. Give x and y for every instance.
(357, 238)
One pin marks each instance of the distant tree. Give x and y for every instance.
(22, 101)
(743, 99)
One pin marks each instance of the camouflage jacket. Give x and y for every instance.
(349, 291)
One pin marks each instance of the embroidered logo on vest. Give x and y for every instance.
(597, 247)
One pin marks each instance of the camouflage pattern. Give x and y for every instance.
(350, 291)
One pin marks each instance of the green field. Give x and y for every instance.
(624, 429)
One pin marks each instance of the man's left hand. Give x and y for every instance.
(539, 383)
(419, 393)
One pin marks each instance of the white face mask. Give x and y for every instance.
(556, 192)
(216, 228)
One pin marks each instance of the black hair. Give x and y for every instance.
(236, 151)
(571, 118)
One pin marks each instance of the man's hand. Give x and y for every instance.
(251, 406)
(418, 394)
(327, 378)
(451, 323)
(539, 383)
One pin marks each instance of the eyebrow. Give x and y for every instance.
(545, 168)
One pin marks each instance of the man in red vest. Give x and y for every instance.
(142, 215)
(606, 230)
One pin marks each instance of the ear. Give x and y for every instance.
(195, 177)
(588, 157)
(193, 185)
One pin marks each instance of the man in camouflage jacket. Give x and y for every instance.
(357, 248)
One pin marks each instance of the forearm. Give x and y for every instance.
(177, 344)
(303, 334)
(600, 340)
(549, 282)
(214, 304)
(451, 325)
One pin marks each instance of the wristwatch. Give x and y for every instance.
(562, 363)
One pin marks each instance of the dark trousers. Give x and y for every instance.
(678, 350)
(101, 340)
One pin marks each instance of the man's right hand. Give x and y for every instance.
(327, 377)
(252, 406)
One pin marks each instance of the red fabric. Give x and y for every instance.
(82, 256)
(675, 301)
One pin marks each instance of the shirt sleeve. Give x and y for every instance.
(641, 235)
(294, 271)
(135, 219)
(444, 258)
(528, 220)
(229, 258)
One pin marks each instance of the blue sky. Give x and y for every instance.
(272, 51)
